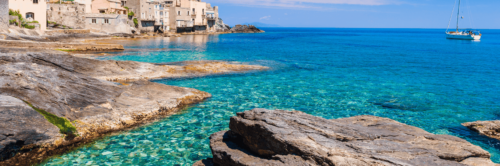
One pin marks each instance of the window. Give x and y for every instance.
(35, 1)
(106, 21)
(94, 21)
(102, 11)
(188, 13)
(193, 10)
(30, 15)
(178, 13)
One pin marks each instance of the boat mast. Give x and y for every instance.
(458, 15)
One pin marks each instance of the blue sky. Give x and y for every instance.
(485, 14)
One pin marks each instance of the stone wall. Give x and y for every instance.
(117, 23)
(70, 15)
(4, 14)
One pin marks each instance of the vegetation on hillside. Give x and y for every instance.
(136, 22)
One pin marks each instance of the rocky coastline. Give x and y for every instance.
(245, 29)
(52, 101)
(488, 128)
(277, 137)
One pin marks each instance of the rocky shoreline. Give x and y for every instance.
(277, 137)
(50, 93)
(488, 128)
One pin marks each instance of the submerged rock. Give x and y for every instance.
(401, 103)
(267, 137)
(487, 128)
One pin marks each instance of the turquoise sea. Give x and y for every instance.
(414, 76)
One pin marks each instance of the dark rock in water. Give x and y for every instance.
(21, 125)
(246, 29)
(401, 103)
(206, 162)
(487, 128)
(267, 137)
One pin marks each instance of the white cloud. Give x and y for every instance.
(265, 18)
(305, 3)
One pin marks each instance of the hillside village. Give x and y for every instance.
(113, 16)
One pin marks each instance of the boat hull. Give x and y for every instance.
(463, 37)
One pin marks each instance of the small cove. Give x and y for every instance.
(414, 76)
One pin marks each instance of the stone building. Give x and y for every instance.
(70, 15)
(31, 10)
(109, 23)
(173, 15)
(4, 14)
(212, 17)
(87, 3)
(154, 15)
(108, 7)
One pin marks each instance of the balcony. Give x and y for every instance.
(211, 18)
(193, 15)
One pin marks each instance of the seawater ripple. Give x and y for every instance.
(414, 76)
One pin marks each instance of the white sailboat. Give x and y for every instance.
(464, 34)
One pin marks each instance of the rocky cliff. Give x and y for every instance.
(51, 101)
(267, 137)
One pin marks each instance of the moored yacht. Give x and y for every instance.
(464, 34)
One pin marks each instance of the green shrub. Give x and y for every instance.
(34, 22)
(12, 21)
(131, 14)
(125, 7)
(16, 13)
(64, 125)
(136, 22)
(29, 26)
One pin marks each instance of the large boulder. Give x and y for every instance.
(277, 137)
(487, 128)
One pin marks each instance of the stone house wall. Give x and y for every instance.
(4, 14)
(117, 23)
(70, 15)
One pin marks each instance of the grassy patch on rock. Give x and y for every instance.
(66, 50)
(64, 125)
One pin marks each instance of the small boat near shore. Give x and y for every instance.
(464, 34)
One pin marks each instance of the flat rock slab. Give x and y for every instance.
(277, 137)
(111, 70)
(487, 128)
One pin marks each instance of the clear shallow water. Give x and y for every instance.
(414, 76)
